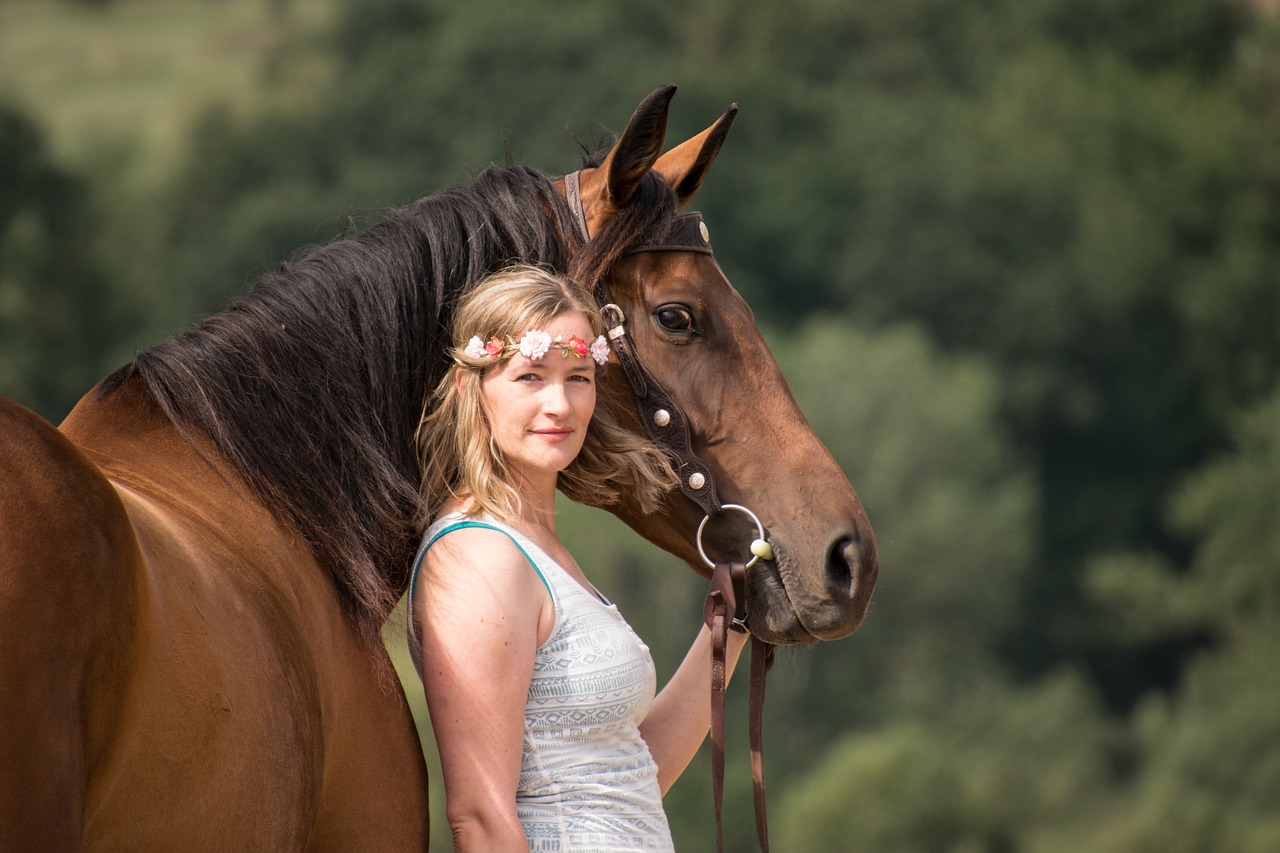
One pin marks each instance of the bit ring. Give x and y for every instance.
(759, 534)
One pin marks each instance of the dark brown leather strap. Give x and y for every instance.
(725, 610)
(761, 663)
(573, 194)
(684, 233)
(663, 419)
(667, 424)
(719, 610)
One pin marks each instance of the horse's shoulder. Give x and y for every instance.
(67, 548)
(66, 560)
(51, 488)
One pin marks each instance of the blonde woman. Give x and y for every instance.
(541, 696)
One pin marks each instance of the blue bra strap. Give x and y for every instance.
(460, 525)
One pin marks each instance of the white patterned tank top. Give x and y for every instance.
(588, 783)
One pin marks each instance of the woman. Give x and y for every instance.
(541, 697)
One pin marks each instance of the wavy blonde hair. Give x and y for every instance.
(456, 451)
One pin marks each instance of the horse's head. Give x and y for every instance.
(694, 335)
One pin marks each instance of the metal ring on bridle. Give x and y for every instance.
(739, 508)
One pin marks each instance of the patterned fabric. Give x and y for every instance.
(588, 783)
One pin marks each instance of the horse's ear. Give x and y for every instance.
(686, 165)
(637, 148)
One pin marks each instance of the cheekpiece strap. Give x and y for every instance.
(663, 419)
(573, 193)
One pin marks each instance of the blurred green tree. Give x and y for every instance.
(1084, 195)
(1001, 769)
(1208, 756)
(58, 317)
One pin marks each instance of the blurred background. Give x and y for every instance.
(1019, 259)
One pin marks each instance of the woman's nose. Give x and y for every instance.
(555, 399)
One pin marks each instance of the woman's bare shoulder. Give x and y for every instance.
(483, 559)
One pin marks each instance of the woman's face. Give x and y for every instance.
(539, 409)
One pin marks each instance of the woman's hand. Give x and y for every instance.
(680, 717)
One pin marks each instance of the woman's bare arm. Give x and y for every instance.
(482, 611)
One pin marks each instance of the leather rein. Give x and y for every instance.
(668, 426)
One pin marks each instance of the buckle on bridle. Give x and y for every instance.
(614, 327)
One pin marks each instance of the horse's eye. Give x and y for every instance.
(676, 318)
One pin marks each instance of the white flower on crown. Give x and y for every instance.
(600, 350)
(475, 348)
(535, 344)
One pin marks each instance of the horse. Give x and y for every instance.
(196, 564)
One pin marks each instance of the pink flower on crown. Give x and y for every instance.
(578, 345)
(495, 347)
(600, 350)
(534, 344)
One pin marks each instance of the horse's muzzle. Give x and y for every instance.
(794, 600)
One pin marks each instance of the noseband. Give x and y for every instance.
(668, 426)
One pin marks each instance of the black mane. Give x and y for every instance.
(312, 384)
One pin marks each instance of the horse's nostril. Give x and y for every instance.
(841, 559)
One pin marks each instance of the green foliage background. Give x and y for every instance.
(1018, 260)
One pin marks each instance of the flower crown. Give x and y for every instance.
(535, 344)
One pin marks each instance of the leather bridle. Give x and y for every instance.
(663, 419)
(668, 426)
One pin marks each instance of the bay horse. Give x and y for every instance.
(195, 566)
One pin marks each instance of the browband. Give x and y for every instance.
(684, 233)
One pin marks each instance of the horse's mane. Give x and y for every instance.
(311, 385)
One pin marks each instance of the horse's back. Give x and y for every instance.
(65, 611)
(175, 672)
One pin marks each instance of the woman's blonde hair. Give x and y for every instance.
(456, 450)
